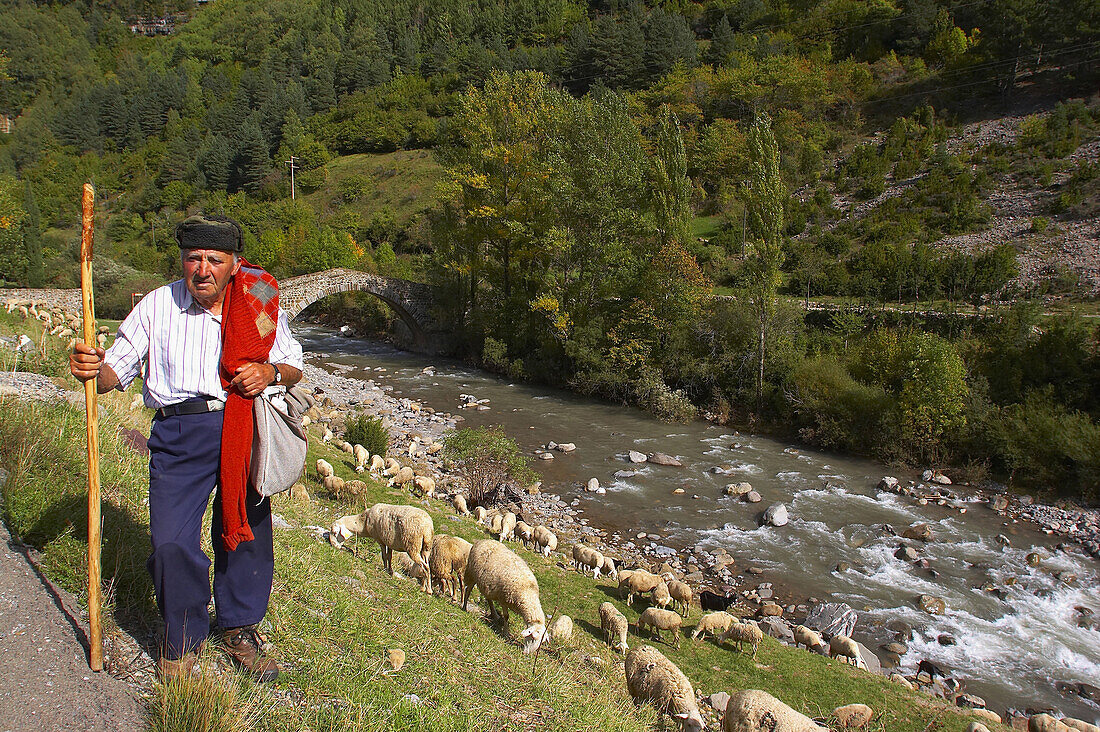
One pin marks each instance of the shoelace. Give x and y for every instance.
(249, 635)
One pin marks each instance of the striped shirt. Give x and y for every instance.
(175, 345)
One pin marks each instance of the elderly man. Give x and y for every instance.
(205, 345)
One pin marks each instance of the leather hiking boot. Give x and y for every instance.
(174, 668)
(244, 647)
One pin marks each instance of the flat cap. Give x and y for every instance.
(210, 231)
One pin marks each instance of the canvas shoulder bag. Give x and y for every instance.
(279, 439)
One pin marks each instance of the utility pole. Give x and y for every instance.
(293, 167)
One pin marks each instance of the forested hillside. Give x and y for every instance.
(580, 180)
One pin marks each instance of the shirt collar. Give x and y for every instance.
(187, 301)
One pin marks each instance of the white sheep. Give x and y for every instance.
(608, 567)
(586, 558)
(459, 502)
(661, 596)
(546, 539)
(714, 623)
(503, 578)
(681, 596)
(377, 464)
(842, 645)
(507, 527)
(480, 512)
(402, 477)
(524, 532)
(448, 563)
(326, 435)
(334, 484)
(613, 624)
(752, 710)
(425, 485)
(636, 582)
(496, 524)
(742, 633)
(324, 469)
(804, 636)
(652, 678)
(561, 629)
(392, 467)
(347, 447)
(659, 620)
(395, 528)
(362, 455)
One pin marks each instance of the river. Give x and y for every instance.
(1012, 645)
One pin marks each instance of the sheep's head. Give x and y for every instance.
(533, 636)
(690, 721)
(338, 534)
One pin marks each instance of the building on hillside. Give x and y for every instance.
(7, 124)
(163, 26)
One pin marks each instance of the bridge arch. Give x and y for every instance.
(411, 301)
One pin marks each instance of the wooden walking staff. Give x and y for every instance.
(95, 628)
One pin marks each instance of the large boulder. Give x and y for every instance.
(853, 716)
(776, 515)
(777, 628)
(998, 503)
(660, 458)
(918, 532)
(1045, 723)
(753, 710)
(831, 618)
(869, 659)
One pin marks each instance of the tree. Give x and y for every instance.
(253, 161)
(722, 43)
(764, 196)
(32, 238)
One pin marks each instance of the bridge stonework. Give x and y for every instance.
(411, 301)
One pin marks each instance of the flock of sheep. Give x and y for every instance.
(55, 321)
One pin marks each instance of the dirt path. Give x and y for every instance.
(45, 682)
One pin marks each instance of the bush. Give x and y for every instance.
(486, 458)
(369, 432)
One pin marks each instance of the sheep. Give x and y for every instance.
(546, 539)
(425, 485)
(803, 636)
(661, 595)
(660, 620)
(362, 455)
(334, 484)
(503, 578)
(401, 528)
(508, 527)
(402, 477)
(561, 629)
(741, 633)
(496, 525)
(480, 512)
(355, 487)
(751, 710)
(392, 467)
(326, 435)
(347, 447)
(377, 464)
(842, 645)
(681, 595)
(459, 502)
(608, 567)
(524, 532)
(613, 624)
(585, 558)
(1045, 723)
(448, 563)
(714, 623)
(713, 601)
(324, 469)
(652, 678)
(636, 582)
(405, 566)
(1079, 725)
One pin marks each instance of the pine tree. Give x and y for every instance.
(722, 43)
(32, 238)
(253, 161)
(214, 162)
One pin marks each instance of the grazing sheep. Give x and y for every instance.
(503, 578)
(326, 435)
(402, 477)
(637, 582)
(496, 524)
(752, 710)
(334, 484)
(1045, 723)
(661, 595)
(713, 601)
(347, 447)
(480, 512)
(1079, 725)
(459, 502)
(652, 678)
(613, 624)
(395, 528)
(608, 567)
(392, 466)
(742, 633)
(661, 620)
(508, 527)
(404, 565)
(362, 455)
(524, 532)
(425, 485)
(561, 629)
(586, 558)
(803, 636)
(713, 623)
(356, 487)
(448, 563)
(377, 464)
(324, 469)
(546, 539)
(681, 596)
(842, 645)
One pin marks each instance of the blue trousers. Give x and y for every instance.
(184, 457)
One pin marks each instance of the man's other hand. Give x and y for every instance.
(85, 362)
(253, 378)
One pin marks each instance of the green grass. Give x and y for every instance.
(400, 183)
(706, 226)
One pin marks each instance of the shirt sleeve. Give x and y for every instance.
(286, 349)
(129, 353)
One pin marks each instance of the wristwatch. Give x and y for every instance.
(278, 374)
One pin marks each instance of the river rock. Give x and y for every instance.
(636, 457)
(776, 515)
(752, 497)
(1045, 723)
(901, 630)
(737, 489)
(778, 628)
(998, 503)
(832, 618)
(853, 716)
(770, 610)
(869, 659)
(896, 647)
(888, 483)
(546, 456)
(932, 605)
(918, 532)
(718, 701)
(901, 680)
(660, 458)
(906, 554)
(841, 567)
(941, 479)
(623, 474)
(1033, 559)
(970, 701)
(753, 710)
(565, 447)
(593, 485)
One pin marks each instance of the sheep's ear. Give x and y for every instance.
(682, 715)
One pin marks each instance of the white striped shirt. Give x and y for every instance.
(175, 345)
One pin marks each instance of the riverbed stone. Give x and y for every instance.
(998, 503)
(777, 628)
(970, 701)
(901, 681)
(888, 483)
(906, 554)
(636, 457)
(776, 515)
(737, 489)
(565, 447)
(896, 647)
(932, 605)
(770, 610)
(593, 485)
(660, 458)
(832, 618)
(752, 497)
(1033, 559)
(718, 701)
(919, 532)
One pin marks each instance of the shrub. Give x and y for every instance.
(1039, 224)
(486, 458)
(369, 432)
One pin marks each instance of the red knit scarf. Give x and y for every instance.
(250, 314)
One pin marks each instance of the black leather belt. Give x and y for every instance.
(197, 406)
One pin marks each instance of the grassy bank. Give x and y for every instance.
(334, 616)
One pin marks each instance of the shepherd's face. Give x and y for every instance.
(207, 272)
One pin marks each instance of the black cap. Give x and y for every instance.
(210, 231)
